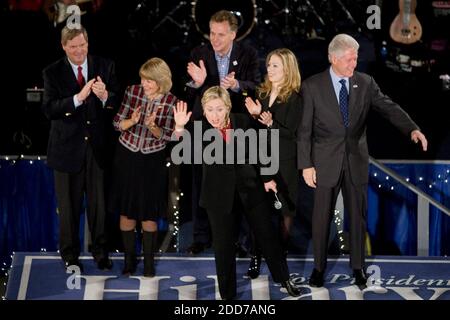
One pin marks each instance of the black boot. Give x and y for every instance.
(129, 249)
(254, 267)
(149, 244)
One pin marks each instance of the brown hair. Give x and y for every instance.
(225, 15)
(68, 34)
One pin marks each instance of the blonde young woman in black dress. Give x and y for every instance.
(278, 107)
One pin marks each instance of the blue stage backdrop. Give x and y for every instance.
(28, 218)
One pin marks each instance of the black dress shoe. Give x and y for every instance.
(316, 279)
(254, 267)
(196, 248)
(104, 264)
(360, 278)
(291, 288)
(74, 263)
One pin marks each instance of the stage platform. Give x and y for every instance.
(41, 276)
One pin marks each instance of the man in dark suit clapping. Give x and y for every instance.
(332, 148)
(79, 99)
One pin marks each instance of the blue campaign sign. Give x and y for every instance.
(41, 276)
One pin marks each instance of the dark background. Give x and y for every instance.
(130, 32)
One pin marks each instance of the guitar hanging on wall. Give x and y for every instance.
(406, 28)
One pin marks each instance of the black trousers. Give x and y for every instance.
(223, 230)
(355, 204)
(70, 189)
(200, 221)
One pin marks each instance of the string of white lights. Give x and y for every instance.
(384, 181)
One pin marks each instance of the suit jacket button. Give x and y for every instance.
(86, 138)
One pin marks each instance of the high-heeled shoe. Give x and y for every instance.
(360, 278)
(291, 288)
(254, 267)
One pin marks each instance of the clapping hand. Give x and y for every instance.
(85, 91)
(254, 108)
(99, 89)
(136, 115)
(266, 118)
(149, 120)
(197, 73)
(229, 82)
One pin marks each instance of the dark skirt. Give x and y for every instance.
(139, 184)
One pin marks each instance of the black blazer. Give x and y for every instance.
(323, 140)
(221, 181)
(71, 129)
(243, 61)
(286, 118)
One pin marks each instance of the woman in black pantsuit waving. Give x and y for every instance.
(222, 183)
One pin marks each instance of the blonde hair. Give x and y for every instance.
(224, 15)
(156, 69)
(292, 78)
(217, 92)
(68, 34)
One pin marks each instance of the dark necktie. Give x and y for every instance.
(343, 102)
(80, 78)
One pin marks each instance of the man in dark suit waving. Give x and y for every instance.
(79, 99)
(231, 65)
(332, 148)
